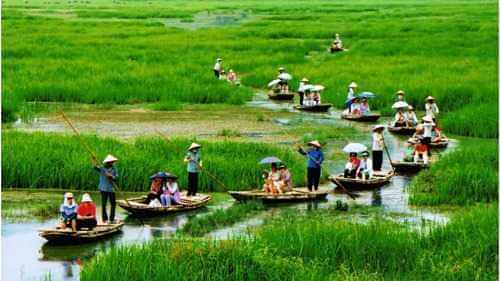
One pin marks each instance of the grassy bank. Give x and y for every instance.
(442, 48)
(56, 161)
(464, 176)
(318, 246)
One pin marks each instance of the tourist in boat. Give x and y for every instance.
(86, 213)
(337, 44)
(286, 179)
(108, 175)
(356, 107)
(171, 194)
(68, 212)
(218, 68)
(364, 107)
(411, 117)
(400, 118)
(351, 166)
(431, 108)
(409, 152)
(378, 145)
(351, 95)
(283, 83)
(421, 152)
(303, 83)
(400, 95)
(272, 180)
(222, 75)
(437, 134)
(308, 100)
(365, 168)
(268, 186)
(419, 132)
(316, 97)
(231, 76)
(315, 159)
(157, 181)
(427, 134)
(194, 164)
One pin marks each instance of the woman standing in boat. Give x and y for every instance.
(194, 164)
(315, 158)
(107, 178)
(378, 147)
(351, 95)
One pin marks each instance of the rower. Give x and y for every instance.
(400, 95)
(283, 83)
(351, 95)
(378, 145)
(302, 90)
(431, 108)
(108, 175)
(218, 68)
(315, 158)
(194, 164)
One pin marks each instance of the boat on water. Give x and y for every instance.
(408, 167)
(408, 131)
(280, 96)
(379, 179)
(296, 195)
(361, 118)
(138, 207)
(323, 107)
(67, 236)
(443, 143)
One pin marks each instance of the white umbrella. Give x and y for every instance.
(285, 76)
(273, 83)
(354, 147)
(399, 105)
(308, 87)
(318, 88)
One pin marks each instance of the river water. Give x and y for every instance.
(26, 256)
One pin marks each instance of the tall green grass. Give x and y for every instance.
(464, 176)
(57, 161)
(318, 246)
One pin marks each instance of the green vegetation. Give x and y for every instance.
(318, 246)
(464, 176)
(130, 55)
(20, 205)
(219, 218)
(53, 161)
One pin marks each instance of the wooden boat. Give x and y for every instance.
(443, 143)
(402, 130)
(296, 195)
(138, 207)
(408, 167)
(280, 96)
(66, 236)
(361, 118)
(314, 108)
(378, 180)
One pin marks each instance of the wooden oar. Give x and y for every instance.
(197, 164)
(352, 195)
(388, 154)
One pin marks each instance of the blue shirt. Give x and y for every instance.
(314, 157)
(68, 211)
(104, 183)
(193, 164)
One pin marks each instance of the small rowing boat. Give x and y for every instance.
(67, 236)
(443, 143)
(138, 207)
(379, 179)
(296, 195)
(408, 131)
(408, 167)
(323, 107)
(361, 118)
(280, 96)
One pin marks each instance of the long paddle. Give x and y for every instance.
(388, 154)
(352, 195)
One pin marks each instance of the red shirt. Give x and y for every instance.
(420, 148)
(86, 209)
(355, 162)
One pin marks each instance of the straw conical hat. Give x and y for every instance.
(429, 98)
(314, 143)
(193, 146)
(353, 85)
(109, 158)
(304, 80)
(400, 92)
(86, 198)
(281, 69)
(378, 127)
(219, 59)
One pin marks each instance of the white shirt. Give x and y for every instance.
(410, 116)
(377, 142)
(350, 94)
(301, 87)
(431, 110)
(427, 130)
(217, 66)
(367, 166)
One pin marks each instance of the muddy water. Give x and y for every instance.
(27, 257)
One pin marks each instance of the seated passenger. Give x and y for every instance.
(272, 182)
(411, 117)
(308, 100)
(355, 107)
(365, 169)
(157, 181)
(421, 152)
(409, 152)
(231, 77)
(364, 108)
(437, 135)
(286, 179)
(86, 213)
(352, 165)
(223, 75)
(171, 194)
(68, 212)
(399, 119)
(316, 97)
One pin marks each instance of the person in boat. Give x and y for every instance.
(86, 213)
(351, 95)
(171, 194)
(308, 100)
(400, 95)
(400, 118)
(365, 168)
(316, 97)
(409, 152)
(378, 145)
(218, 68)
(351, 166)
(419, 132)
(286, 179)
(437, 134)
(364, 107)
(194, 165)
(108, 174)
(337, 44)
(315, 159)
(303, 83)
(428, 126)
(421, 152)
(68, 212)
(155, 191)
(356, 107)
(431, 108)
(283, 83)
(222, 75)
(231, 76)
(411, 117)
(272, 180)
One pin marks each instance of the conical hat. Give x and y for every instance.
(377, 127)
(86, 198)
(109, 158)
(400, 92)
(314, 143)
(353, 85)
(429, 98)
(304, 80)
(193, 146)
